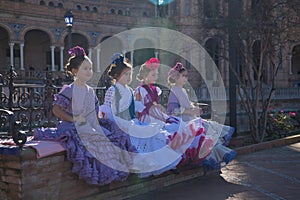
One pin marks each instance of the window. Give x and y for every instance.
(95, 9)
(212, 46)
(295, 69)
(42, 3)
(145, 14)
(51, 4)
(256, 51)
(187, 8)
(78, 7)
(120, 12)
(127, 12)
(211, 8)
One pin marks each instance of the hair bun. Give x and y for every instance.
(117, 58)
(77, 51)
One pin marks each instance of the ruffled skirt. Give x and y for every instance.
(98, 156)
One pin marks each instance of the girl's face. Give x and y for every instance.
(152, 76)
(183, 78)
(84, 72)
(126, 77)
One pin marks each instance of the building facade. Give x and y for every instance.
(34, 36)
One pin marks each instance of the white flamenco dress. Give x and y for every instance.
(200, 146)
(154, 156)
(221, 134)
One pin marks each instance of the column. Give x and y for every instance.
(11, 45)
(156, 54)
(90, 53)
(62, 59)
(52, 58)
(98, 60)
(22, 56)
(124, 52)
(131, 57)
(291, 65)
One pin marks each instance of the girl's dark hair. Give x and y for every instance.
(174, 73)
(77, 57)
(118, 65)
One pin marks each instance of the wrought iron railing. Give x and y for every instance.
(27, 106)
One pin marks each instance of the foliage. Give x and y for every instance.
(281, 123)
(263, 29)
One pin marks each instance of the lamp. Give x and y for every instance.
(69, 23)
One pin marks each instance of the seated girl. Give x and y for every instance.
(93, 150)
(154, 156)
(180, 105)
(148, 95)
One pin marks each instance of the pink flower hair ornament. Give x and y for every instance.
(77, 51)
(152, 63)
(176, 70)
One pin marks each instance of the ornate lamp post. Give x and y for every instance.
(69, 23)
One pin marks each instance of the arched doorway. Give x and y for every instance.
(4, 49)
(212, 46)
(36, 51)
(295, 68)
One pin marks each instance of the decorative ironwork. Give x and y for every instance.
(29, 106)
(9, 124)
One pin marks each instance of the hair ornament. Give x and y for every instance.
(179, 67)
(152, 63)
(174, 72)
(116, 59)
(77, 51)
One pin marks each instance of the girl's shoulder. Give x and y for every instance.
(66, 90)
(111, 88)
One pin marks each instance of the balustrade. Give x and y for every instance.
(32, 103)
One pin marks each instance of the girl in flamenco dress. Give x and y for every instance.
(180, 105)
(99, 154)
(155, 155)
(148, 94)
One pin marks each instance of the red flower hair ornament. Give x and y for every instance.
(152, 63)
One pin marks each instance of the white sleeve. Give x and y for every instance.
(159, 91)
(109, 96)
(139, 106)
(109, 100)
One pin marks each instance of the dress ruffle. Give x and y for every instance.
(85, 165)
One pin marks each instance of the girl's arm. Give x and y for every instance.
(61, 114)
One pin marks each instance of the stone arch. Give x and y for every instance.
(29, 28)
(103, 38)
(143, 50)
(295, 60)
(10, 32)
(64, 37)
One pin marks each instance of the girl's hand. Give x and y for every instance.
(197, 111)
(80, 119)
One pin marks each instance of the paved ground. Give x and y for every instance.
(264, 175)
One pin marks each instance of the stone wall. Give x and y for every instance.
(23, 176)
